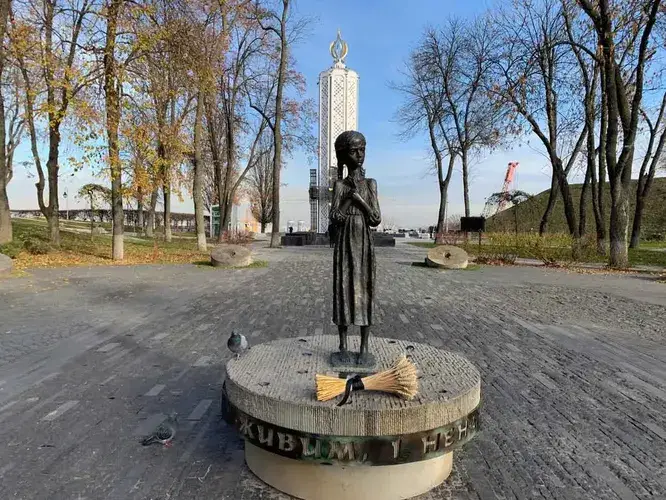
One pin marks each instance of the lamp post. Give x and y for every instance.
(66, 204)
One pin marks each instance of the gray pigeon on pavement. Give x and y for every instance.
(237, 343)
(163, 433)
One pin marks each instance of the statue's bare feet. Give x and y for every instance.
(365, 359)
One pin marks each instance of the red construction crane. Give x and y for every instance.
(492, 208)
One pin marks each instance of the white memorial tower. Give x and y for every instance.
(338, 112)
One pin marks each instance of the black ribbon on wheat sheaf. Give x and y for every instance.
(353, 384)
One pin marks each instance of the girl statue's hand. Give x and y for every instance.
(356, 196)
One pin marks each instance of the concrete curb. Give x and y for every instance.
(588, 265)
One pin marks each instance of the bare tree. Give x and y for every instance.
(580, 35)
(464, 56)
(424, 108)
(205, 63)
(275, 21)
(532, 77)
(224, 109)
(649, 165)
(624, 35)
(288, 118)
(209, 183)
(260, 184)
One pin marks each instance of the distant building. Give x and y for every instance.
(241, 219)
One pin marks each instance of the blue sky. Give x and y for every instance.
(380, 35)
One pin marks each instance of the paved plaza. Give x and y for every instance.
(573, 374)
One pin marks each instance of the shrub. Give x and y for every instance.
(549, 249)
(11, 249)
(36, 246)
(502, 247)
(654, 236)
(448, 239)
(505, 247)
(238, 237)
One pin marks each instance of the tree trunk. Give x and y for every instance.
(636, 226)
(277, 130)
(599, 222)
(441, 215)
(443, 193)
(139, 210)
(263, 227)
(221, 204)
(645, 179)
(552, 198)
(166, 191)
(198, 177)
(619, 224)
(217, 165)
(582, 207)
(646, 175)
(150, 224)
(53, 212)
(569, 211)
(228, 207)
(515, 223)
(5, 216)
(465, 179)
(596, 184)
(111, 91)
(226, 183)
(92, 216)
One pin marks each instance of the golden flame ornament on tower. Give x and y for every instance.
(339, 50)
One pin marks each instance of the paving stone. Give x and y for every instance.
(573, 371)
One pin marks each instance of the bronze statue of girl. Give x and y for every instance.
(354, 210)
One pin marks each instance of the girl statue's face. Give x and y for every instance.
(354, 155)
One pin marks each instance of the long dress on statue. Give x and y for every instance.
(354, 255)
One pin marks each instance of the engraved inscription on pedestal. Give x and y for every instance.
(385, 450)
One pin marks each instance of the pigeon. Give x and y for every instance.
(163, 433)
(237, 343)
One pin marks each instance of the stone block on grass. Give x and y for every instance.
(230, 256)
(447, 257)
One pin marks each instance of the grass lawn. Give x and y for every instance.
(646, 255)
(654, 244)
(79, 248)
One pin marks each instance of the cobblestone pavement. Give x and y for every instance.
(573, 369)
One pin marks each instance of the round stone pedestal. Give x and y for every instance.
(376, 447)
(313, 481)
